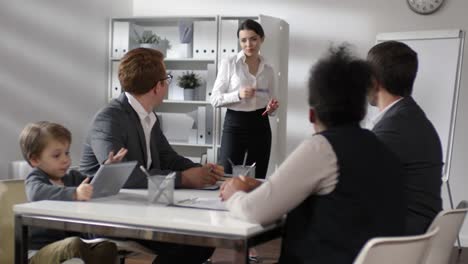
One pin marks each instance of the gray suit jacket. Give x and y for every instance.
(38, 187)
(117, 125)
(405, 129)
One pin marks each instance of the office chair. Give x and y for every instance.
(449, 223)
(401, 250)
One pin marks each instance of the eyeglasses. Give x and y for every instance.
(168, 78)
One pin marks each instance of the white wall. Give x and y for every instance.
(314, 24)
(53, 59)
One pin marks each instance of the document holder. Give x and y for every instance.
(161, 189)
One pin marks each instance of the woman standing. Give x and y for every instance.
(245, 85)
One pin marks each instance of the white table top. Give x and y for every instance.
(130, 207)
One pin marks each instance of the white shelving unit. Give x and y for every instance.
(213, 38)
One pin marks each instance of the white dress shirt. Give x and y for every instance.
(379, 116)
(234, 74)
(311, 169)
(147, 122)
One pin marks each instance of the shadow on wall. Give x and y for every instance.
(54, 59)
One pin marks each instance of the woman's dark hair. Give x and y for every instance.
(338, 86)
(253, 25)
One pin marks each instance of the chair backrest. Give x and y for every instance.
(449, 223)
(11, 192)
(18, 169)
(401, 250)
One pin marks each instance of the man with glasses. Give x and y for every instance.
(129, 121)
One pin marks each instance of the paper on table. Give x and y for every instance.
(211, 187)
(202, 203)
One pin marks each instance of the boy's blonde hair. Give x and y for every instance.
(35, 137)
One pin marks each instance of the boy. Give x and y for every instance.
(45, 146)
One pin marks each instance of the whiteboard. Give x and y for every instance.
(437, 82)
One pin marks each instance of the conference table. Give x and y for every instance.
(130, 215)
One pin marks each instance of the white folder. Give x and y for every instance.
(209, 125)
(120, 38)
(204, 39)
(210, 80)
(201, 125)
(210, 155)
(229, 37)
(116, 89)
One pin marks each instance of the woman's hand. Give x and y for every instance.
(246, 92)
(241, 183)
(271, 107)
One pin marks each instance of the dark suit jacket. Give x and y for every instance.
(405, 129)
(117, 125)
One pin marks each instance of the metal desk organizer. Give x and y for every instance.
(161, 189)
(244, 170)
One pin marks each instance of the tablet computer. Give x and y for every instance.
(110, 178)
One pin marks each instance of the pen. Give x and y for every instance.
(248, 170)
(188, 200)
(144, 171)
(224, 178)
(265, 112)
(230, 162)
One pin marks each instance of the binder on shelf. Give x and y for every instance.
(120, 38)
(201, 125)
(123, 38)
(204, 39)
(203, 159)
(116, 89)
(209, 125)
(210, 158)
(210, 80)
(229, 37)
(200, 91)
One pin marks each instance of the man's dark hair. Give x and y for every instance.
(253, 25)
(395, 66)
(338, 85)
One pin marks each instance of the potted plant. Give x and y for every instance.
(189, 81)
(150, 40)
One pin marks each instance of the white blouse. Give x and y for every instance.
(311, 169)
(233, 74)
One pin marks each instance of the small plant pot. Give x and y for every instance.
(162, 47)
(148, 45)
(189, 94)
